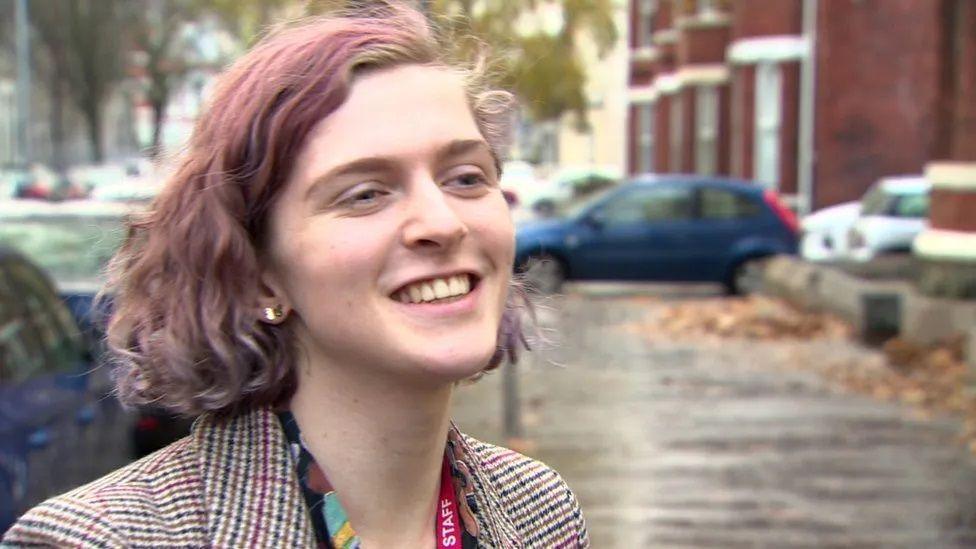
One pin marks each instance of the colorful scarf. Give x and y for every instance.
(329, 519)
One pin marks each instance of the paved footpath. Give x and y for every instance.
(678, 443)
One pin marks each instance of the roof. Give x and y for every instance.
(23, 209)
(905, 184)
(710, 180)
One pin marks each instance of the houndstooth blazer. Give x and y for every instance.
(232, 484)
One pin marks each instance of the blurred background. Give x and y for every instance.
(751, 225)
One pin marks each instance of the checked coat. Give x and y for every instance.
(232, 484)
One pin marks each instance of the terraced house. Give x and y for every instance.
(814, 98)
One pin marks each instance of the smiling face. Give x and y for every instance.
(391, 244)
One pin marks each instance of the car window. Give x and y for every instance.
(912, 205)
(722, 204)
(649, 205)
(58, 338)
(69, 248)
(876, 202)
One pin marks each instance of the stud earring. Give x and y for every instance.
(273, 314)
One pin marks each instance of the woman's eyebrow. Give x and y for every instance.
(462, 146)
(369, 164)
(374, 164)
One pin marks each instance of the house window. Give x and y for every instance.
(645, 137)
(645, 15)
(769, 115)
(706, 130)
(675, 148)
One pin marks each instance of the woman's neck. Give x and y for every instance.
(381, 444)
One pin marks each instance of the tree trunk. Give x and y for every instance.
(93, 119)
(159, 113)
(57, 120)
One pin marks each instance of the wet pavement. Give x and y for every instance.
(676, 442)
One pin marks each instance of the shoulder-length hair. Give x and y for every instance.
(185, 334)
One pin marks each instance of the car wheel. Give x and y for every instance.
(746, 277)
(544, 273)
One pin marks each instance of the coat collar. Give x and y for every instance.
(252, 495)
(250, 490)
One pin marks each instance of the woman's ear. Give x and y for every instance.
(273, 304)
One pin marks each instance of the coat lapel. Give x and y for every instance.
(495, 526)
(250, 490)
(252, 496)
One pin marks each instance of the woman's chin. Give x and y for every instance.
(452, 365)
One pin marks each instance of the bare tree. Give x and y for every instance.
(156, 32)
(84, 41)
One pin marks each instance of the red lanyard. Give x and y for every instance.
(448, 518)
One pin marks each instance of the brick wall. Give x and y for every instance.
(877, 90)
(724, 166)
(790, 128)
(662, 135)
(953, 210)
(688, 120)
(631, 138)
(767, 17)
(702, 44)
(743, 116)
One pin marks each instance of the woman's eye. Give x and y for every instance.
(468, 180)
(363, 199)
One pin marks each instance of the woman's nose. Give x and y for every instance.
(433, 220)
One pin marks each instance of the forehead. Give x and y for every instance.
(400, 112)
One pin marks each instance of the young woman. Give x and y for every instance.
(332, 257)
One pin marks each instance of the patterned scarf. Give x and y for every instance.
(329, 520)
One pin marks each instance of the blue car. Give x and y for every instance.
(678, 228)
(72, 241)
(58, 429)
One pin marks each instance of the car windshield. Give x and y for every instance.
(571, 209)
(876, 202)
(71, 248)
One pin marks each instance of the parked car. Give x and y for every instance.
(572, 183)
(666, 227)
(893, 212)
(73, 242)
(824, 232)
(57, 428)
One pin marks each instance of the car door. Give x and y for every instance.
(909, 216)
(17, 351)
(726, 219)
(22, 398)
(53, 404)
(638, 233)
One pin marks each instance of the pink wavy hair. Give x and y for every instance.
(185, 334)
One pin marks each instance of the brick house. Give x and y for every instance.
(815, 98)
(947, 248)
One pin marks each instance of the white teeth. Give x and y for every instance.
(456, 286)
(441, 289)
(415, 293)
(438, 288)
